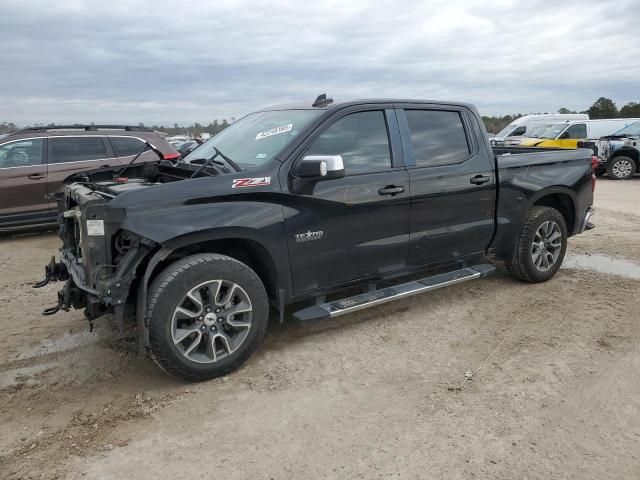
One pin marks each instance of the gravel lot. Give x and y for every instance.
(378, 394)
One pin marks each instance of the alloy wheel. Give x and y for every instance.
(546, 246)
(211, 321)
(622, 168)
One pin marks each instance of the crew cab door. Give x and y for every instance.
(453, 184)
(357, 226)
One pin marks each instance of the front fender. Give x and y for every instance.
(170, 223)
(181, 226)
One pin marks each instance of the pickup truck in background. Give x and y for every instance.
(619, 154)
(310, 210)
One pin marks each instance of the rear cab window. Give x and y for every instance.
(438, 137)
(76, 149)
(361, 139)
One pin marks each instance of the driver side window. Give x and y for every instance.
(21, 153)
(518, 131)
(579, 130)
(362, 141)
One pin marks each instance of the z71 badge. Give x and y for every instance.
(250, 182)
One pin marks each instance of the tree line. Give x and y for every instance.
(601, 108)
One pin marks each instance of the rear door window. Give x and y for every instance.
(126, 146)
(362, 141)
(22, 153)
(438, 137)
(76, 149)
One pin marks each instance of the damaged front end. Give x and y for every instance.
(98, 260)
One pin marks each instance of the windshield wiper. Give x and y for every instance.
(147, 146)
(233, 164)
(212, 161)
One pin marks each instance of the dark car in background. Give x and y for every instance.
(35, 161)
(189, 146)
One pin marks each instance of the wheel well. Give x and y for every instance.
(632, 153)
(564, 204)
(249, 252)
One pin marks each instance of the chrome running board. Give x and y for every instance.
(388, 294)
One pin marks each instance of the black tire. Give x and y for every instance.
(168, 291)
(621, 168)
(522, 264)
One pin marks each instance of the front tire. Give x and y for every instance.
(621, 168)
(541, 246)
(208, 313)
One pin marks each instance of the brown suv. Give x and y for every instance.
(35, 161)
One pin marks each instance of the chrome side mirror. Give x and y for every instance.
(320, 167)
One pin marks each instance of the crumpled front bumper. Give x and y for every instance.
(75, 293)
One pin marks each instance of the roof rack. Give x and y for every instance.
(87, 128)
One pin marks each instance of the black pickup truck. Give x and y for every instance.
(312, 211)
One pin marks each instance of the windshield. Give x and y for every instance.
(506, 130)
(632, 130)
(553, 131)
(256, 138)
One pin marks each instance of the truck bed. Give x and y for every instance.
(525, 174)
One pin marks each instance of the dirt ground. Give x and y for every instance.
(378, 394)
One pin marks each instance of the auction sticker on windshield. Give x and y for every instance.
(275, 131)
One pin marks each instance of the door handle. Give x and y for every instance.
(480, 179)
(391, 190)
(36, 176)
(105, 166)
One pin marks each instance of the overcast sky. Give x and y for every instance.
(166, 61)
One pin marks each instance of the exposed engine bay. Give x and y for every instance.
(98, 258)
(110, 182)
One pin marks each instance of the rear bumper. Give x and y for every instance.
(586, 224)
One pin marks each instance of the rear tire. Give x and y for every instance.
(621, 168)
(541, 246)
(208, 313)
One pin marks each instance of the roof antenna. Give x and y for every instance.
(322, 101)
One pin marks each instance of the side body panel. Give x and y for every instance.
(23, 192)
(354, 231)
(527, 178)
(451, 218)
(180, 214)
(361, 234)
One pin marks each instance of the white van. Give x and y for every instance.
(523, 126)
(567, 135)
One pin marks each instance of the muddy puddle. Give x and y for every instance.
(603, 264)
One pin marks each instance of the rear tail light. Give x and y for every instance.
(594, 166)
(171, 156)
